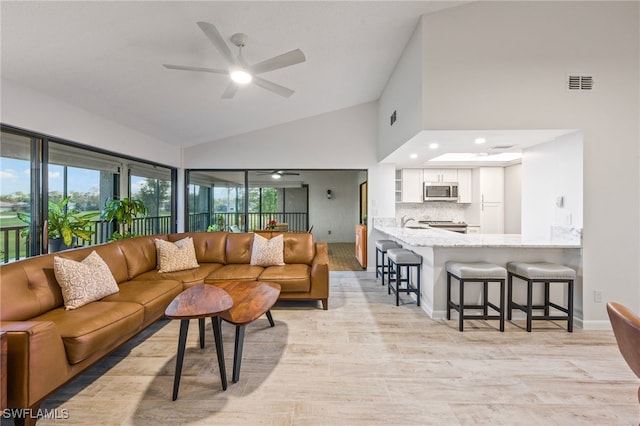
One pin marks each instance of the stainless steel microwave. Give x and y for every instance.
(441, 191)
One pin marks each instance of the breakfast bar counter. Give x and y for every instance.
(438, 246)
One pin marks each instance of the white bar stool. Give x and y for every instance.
(541, 272)
(381, 250)
(399, 258)
(476, 272)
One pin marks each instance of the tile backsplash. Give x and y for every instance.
(432, 211)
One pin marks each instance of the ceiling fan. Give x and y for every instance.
(277, 174)
(239, 70)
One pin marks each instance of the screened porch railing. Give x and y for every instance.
(14, 247)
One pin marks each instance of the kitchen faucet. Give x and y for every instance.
(403, 221)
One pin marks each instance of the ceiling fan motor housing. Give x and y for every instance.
(239, 39)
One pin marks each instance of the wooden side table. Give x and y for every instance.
(199, 302)
(251, 300)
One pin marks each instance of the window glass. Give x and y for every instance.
(15, 196)
(216, 201)
(156, 195)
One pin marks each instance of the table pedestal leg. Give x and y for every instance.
(201, 331)
(217, 336)
(237, 352)
(184, 328)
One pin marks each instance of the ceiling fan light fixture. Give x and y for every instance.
(240, 76)
(276, 176)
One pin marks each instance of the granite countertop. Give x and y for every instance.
(432, 237)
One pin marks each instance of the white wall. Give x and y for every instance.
(503, 65)
(340, 139)
(549, 171)
(34, 111)
(403, 94)
(343, 139)
(513, 199)
(338, 214)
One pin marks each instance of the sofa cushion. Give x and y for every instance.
(94, 327)
(210, 246)
(154, 296)
(235, 273)
(267, 252)
(239, 247)
(176, 256)
(140, 253)
(292, 278)
(298, 248)
(85, 281)
(188, 277)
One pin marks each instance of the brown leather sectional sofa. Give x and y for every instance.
(48, 345)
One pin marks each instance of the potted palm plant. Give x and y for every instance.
(64, 225)
(123, 211)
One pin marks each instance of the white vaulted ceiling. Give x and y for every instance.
(106, 58)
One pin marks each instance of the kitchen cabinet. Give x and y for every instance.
(464, 186)
(398, 186)
(412, 186)
(361, 245)
(440, 175)
(492, 218)
(491, 184)
(488, 199)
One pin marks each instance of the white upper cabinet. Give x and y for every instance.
(440, 175)
(464, 186)
(412, 181)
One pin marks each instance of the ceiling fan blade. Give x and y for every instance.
(280, 61)
(214, 36)
(201, 69)
(273, 87)
(230, 91)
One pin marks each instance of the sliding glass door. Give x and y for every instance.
(244, 200)
(36, 170)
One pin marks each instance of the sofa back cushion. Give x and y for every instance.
(210, 246)
(298, 248)
(239, 247)
(29, 287)
(140, 253)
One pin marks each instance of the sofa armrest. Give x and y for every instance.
(320, 274)
(36, 361)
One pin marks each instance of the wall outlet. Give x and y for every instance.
(329, 232)
(597, 296)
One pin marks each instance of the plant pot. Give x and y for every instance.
(56, 245)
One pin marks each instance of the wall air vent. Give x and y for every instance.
(579, 83)
(502, 146)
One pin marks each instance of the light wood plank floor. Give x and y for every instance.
(362, 362)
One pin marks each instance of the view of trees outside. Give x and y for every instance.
(83, 186)
(269, 200)
(154, 193)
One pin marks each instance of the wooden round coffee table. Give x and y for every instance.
(199, 302)
(251, 299)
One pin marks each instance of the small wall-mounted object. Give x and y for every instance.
(329, 194)
(560, 201)
(393, 118)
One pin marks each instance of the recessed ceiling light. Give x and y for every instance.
(433, 145)
(414, 155)
(240, 76)
(480, 141)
